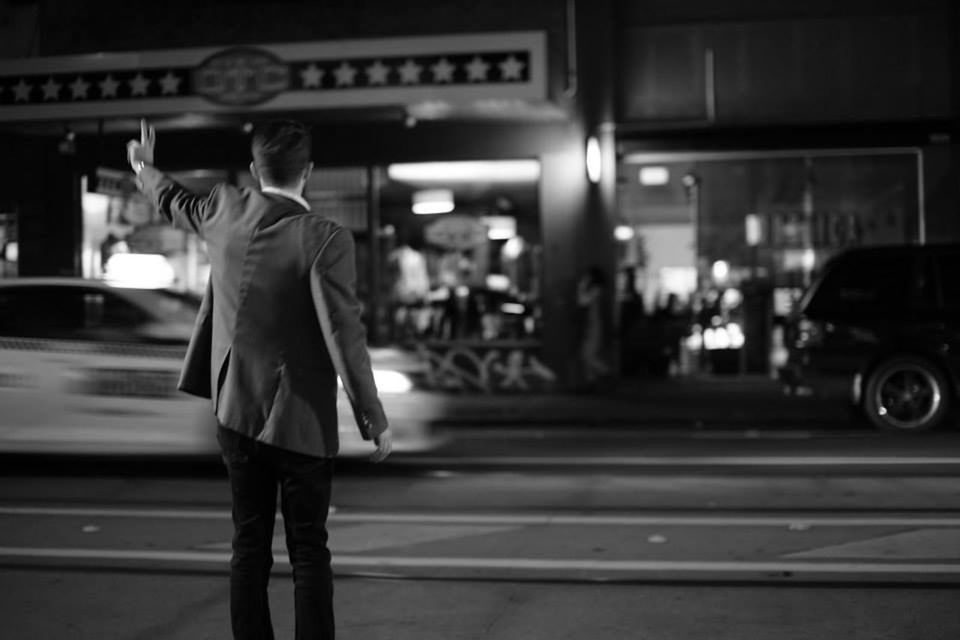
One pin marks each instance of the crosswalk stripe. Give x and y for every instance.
(820, 460)
(780, 520)
(521, 564)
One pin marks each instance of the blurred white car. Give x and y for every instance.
(90, 368)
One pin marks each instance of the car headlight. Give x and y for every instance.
(389, 381)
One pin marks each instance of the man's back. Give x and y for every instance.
(274, 379)
(277, 273)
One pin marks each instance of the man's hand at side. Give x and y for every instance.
(384, 443)
(140, 152)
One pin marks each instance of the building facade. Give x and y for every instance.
(738, 147)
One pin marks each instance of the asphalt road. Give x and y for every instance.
(519, 534)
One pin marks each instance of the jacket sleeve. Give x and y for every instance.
(179, 206)
(333, 285)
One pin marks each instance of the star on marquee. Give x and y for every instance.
(511, 68)
(21, 91)
(51, 89)
(311, 76)
(410, 72)
(477, 70)
(79, 88)
(345, 74)
(170, 83)
(108, 87)
(442, 71)
(377, 73)
(139, 84)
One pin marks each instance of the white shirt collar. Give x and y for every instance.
(296, 197)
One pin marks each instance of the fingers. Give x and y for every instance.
(148, 135)
(384, 447)
(133, 151)
(380, 454)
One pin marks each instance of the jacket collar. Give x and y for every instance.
(290, 195)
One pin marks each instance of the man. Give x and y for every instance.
(279, 322)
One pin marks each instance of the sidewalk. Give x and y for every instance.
(690, 402)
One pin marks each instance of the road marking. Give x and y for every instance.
(364, 538)
(494, 519)
(526, 432)
(820, 460)
(161, 514)
(511, 564)
(919, 544)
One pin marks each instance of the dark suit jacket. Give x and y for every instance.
(280, 319)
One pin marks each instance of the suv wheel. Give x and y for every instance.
(906, 393)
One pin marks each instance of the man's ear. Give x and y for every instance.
(255, 174)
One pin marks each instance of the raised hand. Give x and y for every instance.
(140, 152)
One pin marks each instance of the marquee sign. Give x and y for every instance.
(455, 69)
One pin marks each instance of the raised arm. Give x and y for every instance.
(182, 208)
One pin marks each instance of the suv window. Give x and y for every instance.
(866, 283)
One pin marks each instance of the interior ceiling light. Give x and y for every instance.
(465, 171)
(500, 227)
(654, 176)
(431, 201)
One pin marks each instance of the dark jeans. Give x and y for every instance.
(256, 471)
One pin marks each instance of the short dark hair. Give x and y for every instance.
(281, 151)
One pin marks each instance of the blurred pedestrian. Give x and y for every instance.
(591, 301)
(633, 323)
(279, 322)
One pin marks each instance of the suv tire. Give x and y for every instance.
(907, 394)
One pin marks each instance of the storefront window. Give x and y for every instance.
(471, 271)
(461, 281)
(727, 242)
(457, 289)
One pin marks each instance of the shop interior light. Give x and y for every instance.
(654, 176)
(498, 282)
(720, 271)
(500, 227)
(753, 229)
(729, 336)
(513, 248)
(594, 160)
(432, 201)
(11, 252)
(465, 171)
(623, 232)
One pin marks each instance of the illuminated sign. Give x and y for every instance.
(485, 71)
(456, 232)
(241, 77)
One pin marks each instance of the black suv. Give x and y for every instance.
(882, 325)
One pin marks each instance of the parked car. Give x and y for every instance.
(90, 368)
(882, 324)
